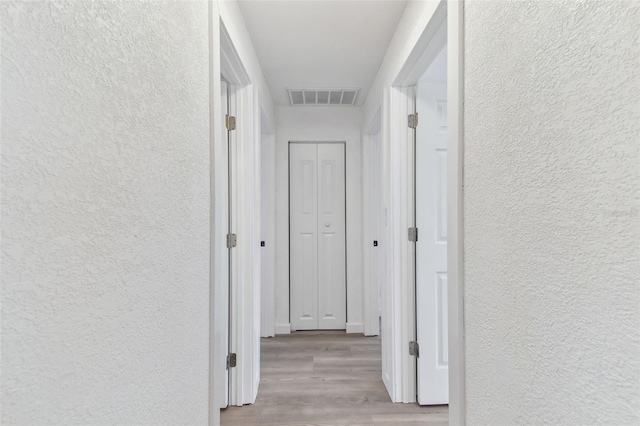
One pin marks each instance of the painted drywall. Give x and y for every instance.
(105, 212)
(412, 23)
(320, 124)
(268, 229)
(551, 212)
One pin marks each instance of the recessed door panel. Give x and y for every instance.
(303, 210)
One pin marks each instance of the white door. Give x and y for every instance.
(303, 234)
(431, 248)
(317, 236)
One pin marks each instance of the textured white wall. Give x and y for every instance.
(552, 202)
(105, 212)
(320, 124)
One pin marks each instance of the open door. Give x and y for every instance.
(431, 247)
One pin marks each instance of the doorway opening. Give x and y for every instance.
(235, 236)
(400, 255)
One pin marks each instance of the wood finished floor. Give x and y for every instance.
(326, 378)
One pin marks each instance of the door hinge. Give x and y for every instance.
(413, 234)
(413, 121)
(230, 122)
(231, 361)
(232, 240)
(414, 349)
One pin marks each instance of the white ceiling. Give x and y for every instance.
(320, 44)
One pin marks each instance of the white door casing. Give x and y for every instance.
(234, 321)
(317, 236)
(431, 248)
(398, 313)
(223, 217)
(242, 282)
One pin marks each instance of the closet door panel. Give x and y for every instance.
(303, 234)
(331, 237)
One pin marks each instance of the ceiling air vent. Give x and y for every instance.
(300, 97)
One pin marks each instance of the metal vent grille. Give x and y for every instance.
(300, 97)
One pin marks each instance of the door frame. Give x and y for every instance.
(402, 101)
(244, 300)
(346, 292)
(397, 103)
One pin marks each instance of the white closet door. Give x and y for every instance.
(303, 216)
(317, 236)
(331, 237)
(431, 248)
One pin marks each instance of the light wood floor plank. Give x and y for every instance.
(326, 378)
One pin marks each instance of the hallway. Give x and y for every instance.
(149, 263)
(328, 378)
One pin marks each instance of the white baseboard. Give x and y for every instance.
(355, 327)
(283, 328)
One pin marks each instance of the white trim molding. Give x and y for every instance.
(455, 210)
(397, 138)
(283, 328)
(232, 56)
(355, 327)
(398, 314)
(244, 293)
